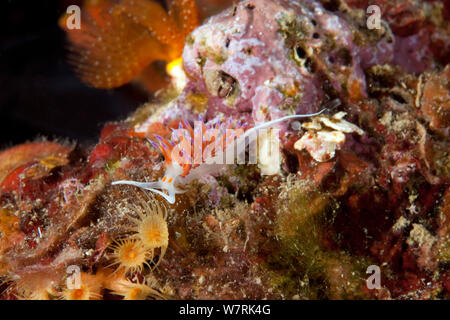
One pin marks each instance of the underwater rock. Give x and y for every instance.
(372, 189)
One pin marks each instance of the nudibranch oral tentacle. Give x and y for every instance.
(150, 186)
(181, 169)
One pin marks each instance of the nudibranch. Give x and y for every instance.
(119, 40)
(181, 165)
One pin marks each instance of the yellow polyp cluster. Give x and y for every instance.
(130, 256)
(150, 227)
(53, 285)
(119, 40)
(148, 231)
(90, 288)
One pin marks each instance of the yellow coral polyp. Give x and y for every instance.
(90, 289)
(150, 227)
(130, 255)
(153, 232)
(135, 291)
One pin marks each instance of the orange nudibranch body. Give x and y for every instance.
(119, 40)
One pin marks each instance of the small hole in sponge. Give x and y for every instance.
(398, 98)
(316, 35)
(301, 54)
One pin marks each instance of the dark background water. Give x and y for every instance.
(39, 93)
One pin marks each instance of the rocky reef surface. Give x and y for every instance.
(364, 183)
